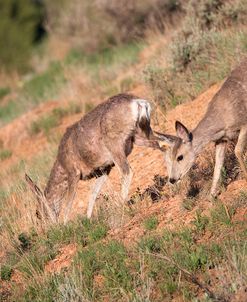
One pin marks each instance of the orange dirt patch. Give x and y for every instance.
(63, 260)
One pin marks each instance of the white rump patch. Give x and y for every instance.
(141, 108)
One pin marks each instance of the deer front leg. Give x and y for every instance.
(96, 189)
(122, 164)
(125, 184)
(240, 147)
(219, 160)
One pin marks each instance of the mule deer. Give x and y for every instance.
(91, 147)
(225, 119)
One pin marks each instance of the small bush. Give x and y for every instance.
(198, 56)
(25, 242)
(19, 23)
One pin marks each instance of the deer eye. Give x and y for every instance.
(180, 157)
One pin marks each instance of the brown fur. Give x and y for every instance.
(92, 146)
(225, 120)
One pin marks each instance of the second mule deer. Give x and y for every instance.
(225, 119)
(91, 147)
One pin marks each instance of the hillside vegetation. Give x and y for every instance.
(166, 244)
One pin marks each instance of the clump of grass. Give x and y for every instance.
(5, 153)
(200, 221)
(189, 203)
(151, 223)
(6, 272)
(222, 214)
(150, 244)
(4, 91)
(25, 242)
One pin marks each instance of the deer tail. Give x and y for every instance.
(34, 188)
(41, 199)
(144, 110)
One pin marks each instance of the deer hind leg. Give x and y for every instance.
(73, 179)
(240, 147)
(219, 160)
(95, 191)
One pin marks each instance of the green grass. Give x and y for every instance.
(6, 272)
(39, 88)
(151, 223)
(4, 154)
(9, 111)
(46, 123)
(105, 66)
(44, 85)
(106, 268)
(200, 221)
(102, 68)
(4, 91)
(117, 56)
(189, 203)
(211, 41)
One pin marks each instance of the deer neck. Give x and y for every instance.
(206, 131)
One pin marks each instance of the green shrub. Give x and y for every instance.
(194, 68)
(19, 22)
(201, 53)
(25, 241)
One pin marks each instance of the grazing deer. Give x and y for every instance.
(225, 119)
(91, 147)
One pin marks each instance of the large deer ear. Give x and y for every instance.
(183, 132)
(165, 140)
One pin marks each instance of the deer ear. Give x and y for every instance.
(165, 140)
(183, 132)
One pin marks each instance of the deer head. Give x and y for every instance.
(180, 154)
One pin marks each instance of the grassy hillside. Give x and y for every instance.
(168, 243)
